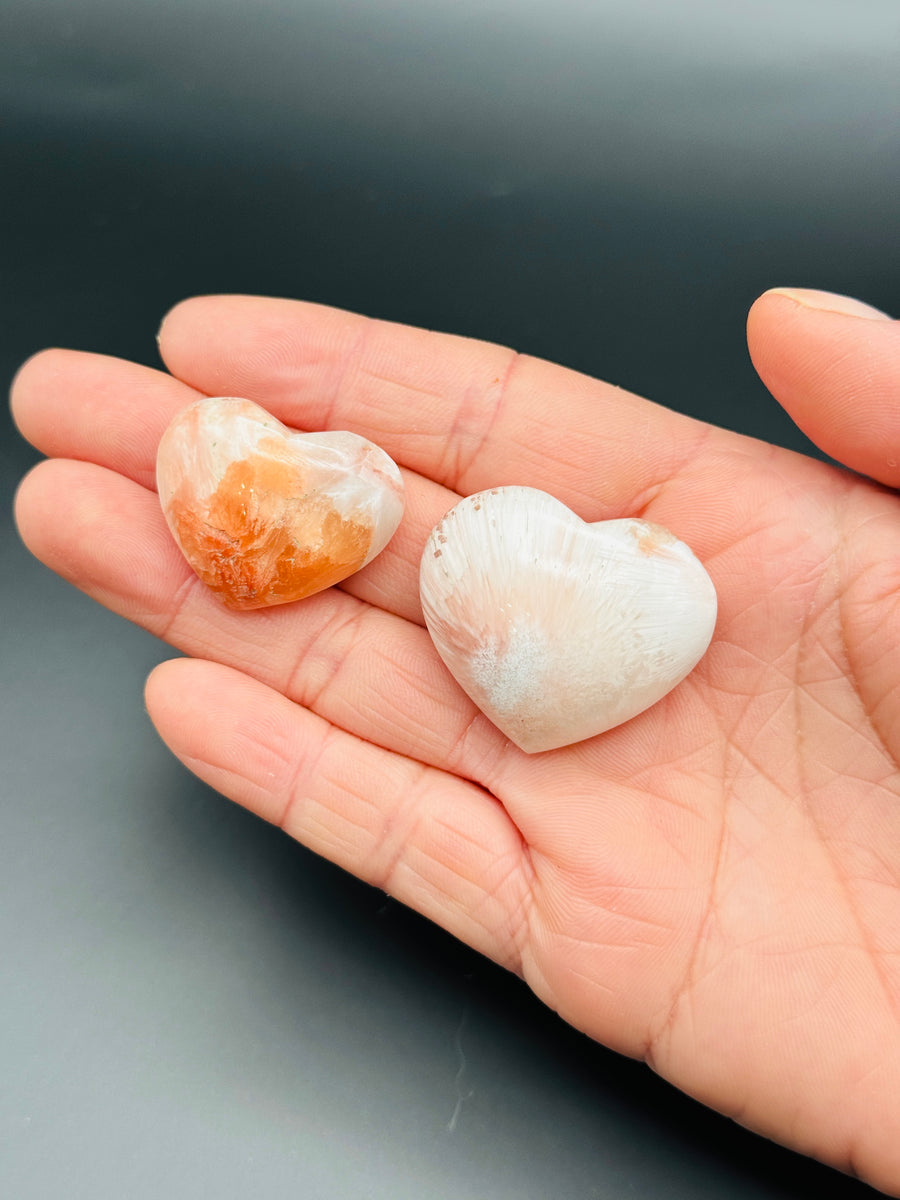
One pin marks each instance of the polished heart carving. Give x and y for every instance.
(266, 515)
(559, 629)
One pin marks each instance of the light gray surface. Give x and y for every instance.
(190, 1004)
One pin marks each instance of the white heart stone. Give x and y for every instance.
(558, 629)
(266, 515)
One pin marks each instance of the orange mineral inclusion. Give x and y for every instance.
(261, 539)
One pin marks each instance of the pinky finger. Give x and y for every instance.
(441, 845)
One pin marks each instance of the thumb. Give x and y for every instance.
(834, 365)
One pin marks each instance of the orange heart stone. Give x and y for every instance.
(265, 515)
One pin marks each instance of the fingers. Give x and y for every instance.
(465, 413)
(834, 364)
(113, 413)
(359, 667)
(98, 409)
(440, 845)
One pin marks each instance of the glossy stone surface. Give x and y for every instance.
(559, 629)
(266, 515)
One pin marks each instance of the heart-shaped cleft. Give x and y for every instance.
(266, 515)
(558, 629)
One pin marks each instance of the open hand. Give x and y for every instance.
(714, 886)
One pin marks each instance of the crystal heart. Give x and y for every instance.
(265, 515)
(557, 629)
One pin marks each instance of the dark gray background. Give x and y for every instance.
(191, 1005)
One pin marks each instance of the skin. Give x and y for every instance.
(714, 886)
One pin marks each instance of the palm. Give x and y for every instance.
(709, 885)
(732, 889)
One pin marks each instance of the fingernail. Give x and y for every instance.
(831, 302)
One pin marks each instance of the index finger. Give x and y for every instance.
(465, 413)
